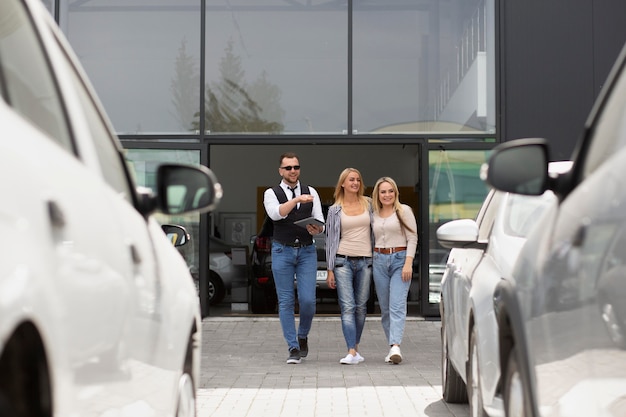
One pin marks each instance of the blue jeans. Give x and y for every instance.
(392, 293)
(353, 277)
(299, 264)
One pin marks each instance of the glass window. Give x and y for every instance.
(455, 192)
(423, 66)
(109, 154)
(144, 163)
(28, 83)
(276, 67)
(143, 57)
(609, 131)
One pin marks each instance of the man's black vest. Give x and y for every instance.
(285, 231)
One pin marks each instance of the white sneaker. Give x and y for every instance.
(349, 360)
(359, 357)
(395, 356)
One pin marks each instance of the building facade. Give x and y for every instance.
(419, 90)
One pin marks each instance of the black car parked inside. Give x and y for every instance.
(263, 297)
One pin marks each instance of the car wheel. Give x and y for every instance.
(474, 391)
(216, 289)
(515, 396)
(453, 387)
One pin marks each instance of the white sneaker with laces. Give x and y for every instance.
(359, 357)
(349, 360)
(395, 356)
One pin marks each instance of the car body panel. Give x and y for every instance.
(483, 253)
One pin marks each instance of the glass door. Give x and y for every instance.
(455, 191)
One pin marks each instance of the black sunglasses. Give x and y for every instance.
(289, 168)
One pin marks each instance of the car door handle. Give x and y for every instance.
(134, 254)
(57, 219)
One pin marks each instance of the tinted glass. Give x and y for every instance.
(143, 57)
(609, 135)
(424, 66)
(30, 87)
(109, 155)
(276, 66)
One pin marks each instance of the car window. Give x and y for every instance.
(609, 132)
(29, 87)
(110, 157)
(522, 212)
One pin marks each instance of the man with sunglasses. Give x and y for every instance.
(294, 255)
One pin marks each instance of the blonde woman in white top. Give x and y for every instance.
(395, 234)
(349, 257)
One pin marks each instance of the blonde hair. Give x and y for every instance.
(397, 206)
(339, 193)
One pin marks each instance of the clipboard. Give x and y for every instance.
(309, 220)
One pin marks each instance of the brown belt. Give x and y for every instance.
(388, 251)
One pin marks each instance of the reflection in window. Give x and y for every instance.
(276, 67)
(146, 69)
(424, 66)
(456, 190)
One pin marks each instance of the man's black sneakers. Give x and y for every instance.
(294, 356)
(304, 346)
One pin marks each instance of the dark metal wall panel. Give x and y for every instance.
(609, 35)
(547, 84)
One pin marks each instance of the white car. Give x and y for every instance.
(563, 318)
(483, 253)
(98, 311)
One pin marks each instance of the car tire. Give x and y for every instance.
(216, 291)
(260, 301)
(453, 387)
(515, 395)
(474, 392)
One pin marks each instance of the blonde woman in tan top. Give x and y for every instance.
(395, 234)
(349, 257)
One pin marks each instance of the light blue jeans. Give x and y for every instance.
(392, 293)
(353, 277)
(289, 263)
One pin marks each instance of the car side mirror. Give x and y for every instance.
(178, 235)
(518, 166)
(461, 233)
(181, 189)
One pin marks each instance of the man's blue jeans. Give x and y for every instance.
(289, 263)
(392, 293)
(353, 276)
